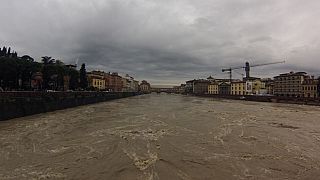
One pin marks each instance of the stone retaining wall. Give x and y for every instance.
(19, 104)
(275, 99)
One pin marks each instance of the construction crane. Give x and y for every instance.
(242, 75)
(247, 68)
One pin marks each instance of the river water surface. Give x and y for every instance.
(162, 136)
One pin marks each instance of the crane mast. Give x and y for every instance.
(247, 68)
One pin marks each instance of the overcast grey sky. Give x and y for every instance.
(167, 41)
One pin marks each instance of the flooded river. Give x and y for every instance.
(162, 136)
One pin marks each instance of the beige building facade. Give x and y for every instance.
(96, 80)
(238, 88)
(213, 88)
(310, 88)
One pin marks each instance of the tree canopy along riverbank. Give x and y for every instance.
(24, 73)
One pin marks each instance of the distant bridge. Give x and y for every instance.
(164, 90)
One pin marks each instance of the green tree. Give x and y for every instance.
(47, 60)
(74, 79)
(2, 52)
(15, 73)
(83, 77)
(49, 72)
(15, 55)
(59, 62)
(9, 52)
(27, 58)
(8, 73)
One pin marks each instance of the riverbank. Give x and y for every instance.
(274, 99)
(20, 104)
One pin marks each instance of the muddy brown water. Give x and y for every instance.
(162, 136)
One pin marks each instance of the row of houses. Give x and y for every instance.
(292, 84)
(113, 82)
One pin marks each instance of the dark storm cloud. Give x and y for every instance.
(167, 41)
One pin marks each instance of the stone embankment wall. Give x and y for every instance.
(275, 99)
(19, 104)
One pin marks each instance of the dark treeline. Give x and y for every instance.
(24, 73)
(6, 52)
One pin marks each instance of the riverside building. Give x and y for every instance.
(114, 82)
(213, 88)
(225, 88)
(200, 86)
(145, 87)
(96, 80)
(289, 84)
(189, 86)
(310, 88)
(238, 88)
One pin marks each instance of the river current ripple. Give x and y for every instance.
(161, 136)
